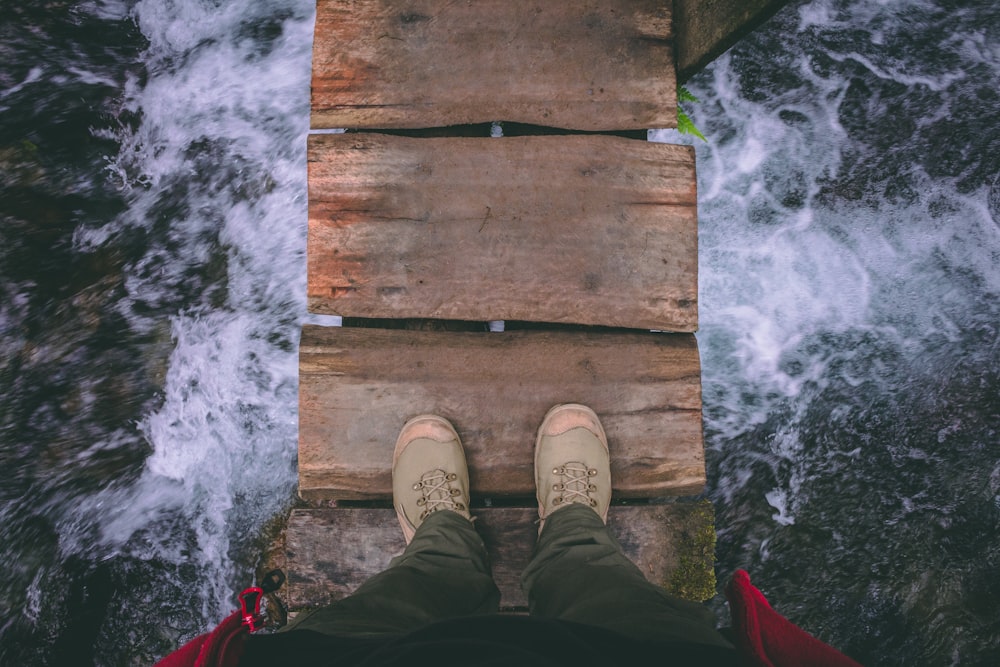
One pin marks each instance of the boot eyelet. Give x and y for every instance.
(558, 487)
(421, 502)
(454, 492)
(451, 477)
(593, 503)
(459, 506)
(559, 471)
(592, 488)
(557, 500)
(592, 472)
(418, 486)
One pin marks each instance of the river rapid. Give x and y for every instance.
(152, 287)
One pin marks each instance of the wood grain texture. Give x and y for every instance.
(705, 29)
(330, 552)
(358, 386)
(577, 64)
(578, 229)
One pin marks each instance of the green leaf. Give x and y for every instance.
(686, 126)
(684, 95)
(684, 123)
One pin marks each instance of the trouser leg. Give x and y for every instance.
(579, 573)
(442, 573)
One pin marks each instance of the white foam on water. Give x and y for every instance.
(224, 447)
(780, 270)
(224, 437)
(771, 275)
(766, 283)
(109, 10)
(34, 75)
(938, 83)
(778, 499)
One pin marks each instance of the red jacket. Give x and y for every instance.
(763, 637)
(766, 638)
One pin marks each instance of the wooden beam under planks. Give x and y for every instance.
(576, 64)
(592, 230)
(332, 551)
(358, 386)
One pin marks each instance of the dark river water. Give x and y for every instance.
(152, 286)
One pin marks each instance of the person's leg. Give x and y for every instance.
(578, 572)
(444, 571)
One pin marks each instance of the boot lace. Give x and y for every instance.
(437, 493)
(576, 486)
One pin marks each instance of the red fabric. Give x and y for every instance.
(221, 647)
(767, 639)
(763, 637)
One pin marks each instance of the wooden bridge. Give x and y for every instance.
(570, 228)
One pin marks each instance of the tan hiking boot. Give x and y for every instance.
(429, 472)
(572, 463)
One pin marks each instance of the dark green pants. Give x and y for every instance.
(578, 573)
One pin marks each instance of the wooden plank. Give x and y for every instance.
(330, 552)
(705, 29)
(358, 386)
(578, 64)
(579, 229)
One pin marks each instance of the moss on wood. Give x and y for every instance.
(694, 577)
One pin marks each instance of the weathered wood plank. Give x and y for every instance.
(330, 552)
(580, 229)
(578, 64)
(705, 29)
(358, 386)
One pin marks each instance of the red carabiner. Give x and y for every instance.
(250, 608)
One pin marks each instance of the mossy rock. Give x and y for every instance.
(694, 577)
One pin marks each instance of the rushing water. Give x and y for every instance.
(152, 157)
